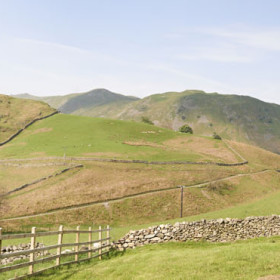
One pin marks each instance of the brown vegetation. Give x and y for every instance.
(16, 113)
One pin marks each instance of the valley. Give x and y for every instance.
(139, 140)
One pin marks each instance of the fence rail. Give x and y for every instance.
(102, 248)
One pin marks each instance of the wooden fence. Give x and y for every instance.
(103, 246)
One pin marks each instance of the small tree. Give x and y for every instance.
(186, 129)
(146, 120)
(216, 136)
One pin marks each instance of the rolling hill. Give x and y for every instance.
(234, 117)
(106, 138)
(239, 118)
(129, 177)
(129, 174)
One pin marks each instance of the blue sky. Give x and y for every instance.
(140, 47)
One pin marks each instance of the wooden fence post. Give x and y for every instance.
(108, 236)
(100, 242)
(0, 241)
(59, 242)
(89, 240)
(182, 201)
(32, 247)
(77, 246)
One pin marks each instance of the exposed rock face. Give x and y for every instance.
(221, 230)
(20, 247)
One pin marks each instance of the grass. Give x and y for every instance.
(240, 260)
(16, 113)
(85, 136)
(247, 259)
(239, 118)
(265, 206)
(14, 177)
(255, 194)
(101, 181)
(249, 197)
(76, 186)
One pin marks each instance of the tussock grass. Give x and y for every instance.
(14, 177)
(102, 181)
(152, 208)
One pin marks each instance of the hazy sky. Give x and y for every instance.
(140, 47)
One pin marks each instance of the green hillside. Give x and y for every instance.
(136, 195)
(84, 136)
(149, 191)
(239, 118)
(234, 117)
(193, 261)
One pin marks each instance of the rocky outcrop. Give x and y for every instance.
(221, 230)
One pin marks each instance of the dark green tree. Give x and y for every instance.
(186, 129)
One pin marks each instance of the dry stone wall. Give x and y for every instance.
(43, 179)
(221, 230)
(17, 248)
(26, 126)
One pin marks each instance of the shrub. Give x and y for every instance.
(186, 129)
(147, 120)
(221, 188)
(216, 136)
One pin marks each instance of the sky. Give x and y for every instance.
(142, 47)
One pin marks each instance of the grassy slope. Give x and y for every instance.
(16, 113)
(241, 260)
(14, 177)
(101, 181)
(251, 195)
(160, 206)
(120, 180)
(84, 136)
(234, 117)
(240, 118)
(267, 205)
